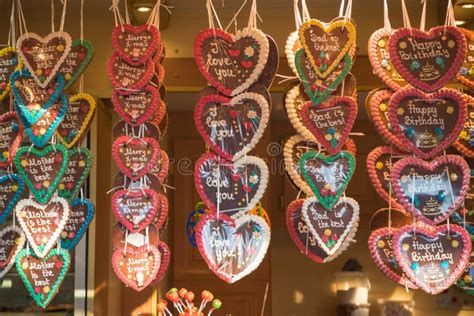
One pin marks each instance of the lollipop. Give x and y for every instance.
(216, 304)
(163, 307)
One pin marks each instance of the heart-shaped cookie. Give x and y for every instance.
(165, 260)
(327, 176)
(11, 189)
(379, 164)
(432, 191)
(77, 171)
(42, 130)
(330, 122)
(32, 100)
(381, 249)
(466, 281)
(432, 258)
(82, 214)
(76, 122)
(380, 61)
(135, 157)
(76, 61)
(232, 126)
(44, 56)
(126, 78)
(9, 62)
(137, 107)
(136, 267)
(294, 101)
(11, 134)
(42, 169)
(135, 209)
(427, 123)
(326, 44)
(330, 227)
(466, 73)
(294, 148)
(390, 217)
(378, 104)
(316, 87)
(136, 44)
(43, 277)
(12, 241)
(464, 144)
(427, 60)
(232, 248)
(230, 187)
(42, 223)
(231, 63)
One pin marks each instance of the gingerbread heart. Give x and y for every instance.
(43, 277)
(82, 214)
(466, 281)
(326, 44)
(380, 61)
(432, 258)
(294, 101)
(126, 78)
(11, 134)
(378, 104)
(327, 176)
(427, 60)
(43, 57)
(231, 63)
(77, 171)
(316, 87)
(136, 268)
(466, 73)
(42, 169)
(232, 126)
(32, 100)
(12, 241)
(330, 122)
(76, 61)
(220, 242)
(294, 148)
(11, 189)
(42, 223)
(165, 260)
(230, 187)
(381, 250)
(137, 107)
(9, 62)
(135, 209)
(75, 124)
(390, 217)
(379, 164)
(136, 44)
(432, 191)
(330, 227)
(135, 157)
(42, 130)
(464, 144)
(427, 123)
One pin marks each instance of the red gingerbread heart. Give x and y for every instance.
(137, 107)
(136, 44)
(126, 78)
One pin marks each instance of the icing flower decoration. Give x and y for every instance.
(327, 232)
(253, 179)
(405, 247)
(251, 114)
(415, 267)
(400, 111)
(379, 165)
(415, 65)
(449, 110)
(249, 51)
(444, 264)
(455, 243)
(440, 61)
(380, 243)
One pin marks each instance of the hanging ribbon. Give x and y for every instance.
(117, 16)
(63, 16)
(450, 19)
(386, 18)
(12, 31)
(21, 18)
(234, 18)
(406, 17)
(253, 15)
(423, 15)
(305, 11)
(296, 12)
(212, 14)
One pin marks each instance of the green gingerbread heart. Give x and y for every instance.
(327, 176)
(316, 88)
(43, 277)
(42, 169)
(77, 61)
(79, 166)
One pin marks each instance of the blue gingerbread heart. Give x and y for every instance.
(82, 213)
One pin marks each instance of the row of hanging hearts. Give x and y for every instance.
(140, 258)
(230, 228)
(43, 192)
(417, 115)
(320, 160)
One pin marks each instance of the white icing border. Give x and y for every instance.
(289, 164)
(7, 229)
(292, 40)
(262, 40)
(297, 124)
(44, 40)
(343, 236)
(54, 238)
